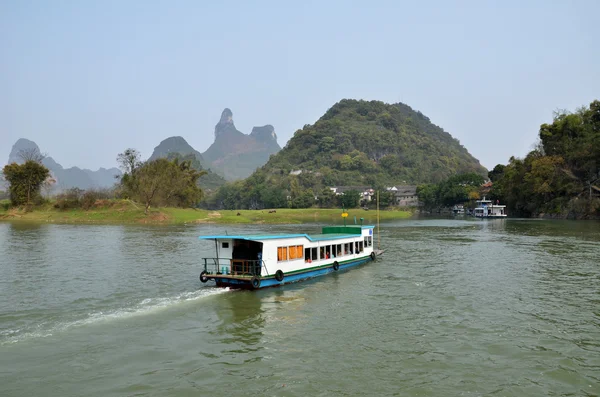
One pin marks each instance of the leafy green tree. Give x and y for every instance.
(350, 199)
(326, 198)
(160, 182)
(428, 195)
(25, 181)
(497, 173)
(305, 200)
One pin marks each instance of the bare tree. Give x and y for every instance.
(129, 161)
(48, 185)
(31, 154)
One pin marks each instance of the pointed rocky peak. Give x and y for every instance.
(226, 117)
(225, 125)
(21, 145)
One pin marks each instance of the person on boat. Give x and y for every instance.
(258, 264)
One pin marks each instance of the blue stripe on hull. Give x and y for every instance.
(292, 278)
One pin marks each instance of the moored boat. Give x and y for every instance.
(259, 261)
(487, 209)
(458, 209)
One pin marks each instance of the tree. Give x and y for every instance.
(25, 181)
(428, 195)
(350, 199)
(497, 173)
(129, 161)
(31, 154)
(159, 182)
(150, 177)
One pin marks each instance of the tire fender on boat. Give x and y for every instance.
(336, 266)
(255, 282)
(203, 277)
(279, 275)
(373, 256)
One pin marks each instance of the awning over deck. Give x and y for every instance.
(313, 238)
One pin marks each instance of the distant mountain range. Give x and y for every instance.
(233, 155)
(66, 178)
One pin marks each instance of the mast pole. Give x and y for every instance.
(378, 233)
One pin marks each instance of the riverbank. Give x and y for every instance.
(127, 212)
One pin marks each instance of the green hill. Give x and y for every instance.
(361, 142)
(355, 143)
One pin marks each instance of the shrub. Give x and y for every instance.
(70, 199)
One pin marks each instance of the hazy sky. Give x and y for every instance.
(87, 79)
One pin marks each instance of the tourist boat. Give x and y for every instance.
(253, 262)
(487, 209)
(458, 209)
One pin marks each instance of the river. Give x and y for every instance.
(455, 307)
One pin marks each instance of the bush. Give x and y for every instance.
(77, 198)
(69, 199)
(91, 198)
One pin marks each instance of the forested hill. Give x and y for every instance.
(362, 142)
(561, 176)
(355, 143)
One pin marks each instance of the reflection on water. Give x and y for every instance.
(242, 319)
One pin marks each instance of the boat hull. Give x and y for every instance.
(292, 277)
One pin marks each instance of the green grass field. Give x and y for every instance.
(127, 212)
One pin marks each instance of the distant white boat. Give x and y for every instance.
(487, 209)
(458, 209)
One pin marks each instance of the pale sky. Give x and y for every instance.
(87, 79)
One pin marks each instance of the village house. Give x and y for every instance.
(404, 196)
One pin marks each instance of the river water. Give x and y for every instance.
(455, 307)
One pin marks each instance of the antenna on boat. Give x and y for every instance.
(378, 233)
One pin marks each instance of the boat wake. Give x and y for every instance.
(144, 307)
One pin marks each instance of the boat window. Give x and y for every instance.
(339, 249)
(296, 251)
(307, 255)
(360, 246)
(322, 253)
(356, 250)
(282, 254)
(225, 245)
(328, 252)
(313, 254)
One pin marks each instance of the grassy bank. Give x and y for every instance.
(127, 212)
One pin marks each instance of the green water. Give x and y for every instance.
(455, 307)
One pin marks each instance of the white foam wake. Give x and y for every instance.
(145, 307)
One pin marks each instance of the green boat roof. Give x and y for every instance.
(329, 233)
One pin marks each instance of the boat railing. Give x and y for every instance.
(234, 267)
